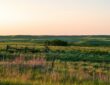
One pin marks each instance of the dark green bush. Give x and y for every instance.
(56, 43)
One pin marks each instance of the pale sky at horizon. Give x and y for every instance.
(54, 17)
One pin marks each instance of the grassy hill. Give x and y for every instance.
(96, 40)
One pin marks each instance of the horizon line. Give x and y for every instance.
(59, 35)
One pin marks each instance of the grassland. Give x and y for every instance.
(25, 61)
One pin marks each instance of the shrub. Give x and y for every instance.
(56, 43)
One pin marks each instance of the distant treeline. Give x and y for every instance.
(87, 40)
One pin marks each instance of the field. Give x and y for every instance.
(27, 60)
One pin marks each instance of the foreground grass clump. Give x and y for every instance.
(42, 72)
(53, 83)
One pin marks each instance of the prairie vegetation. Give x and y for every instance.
(29, 60)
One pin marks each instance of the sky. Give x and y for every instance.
(54, 17)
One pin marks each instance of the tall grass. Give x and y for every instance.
(60, 66)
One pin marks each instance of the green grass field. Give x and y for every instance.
(25, 60)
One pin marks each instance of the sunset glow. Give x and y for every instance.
(54, 17)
